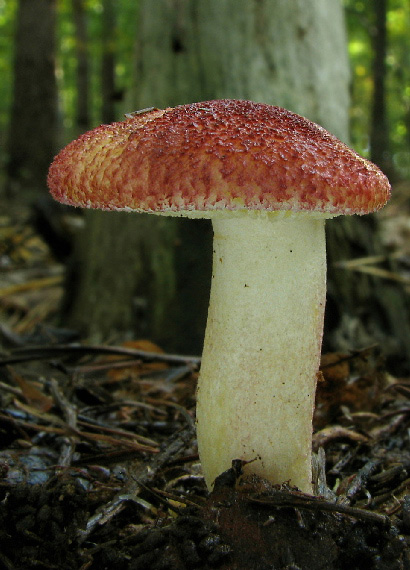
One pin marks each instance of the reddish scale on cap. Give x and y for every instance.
(224, 154)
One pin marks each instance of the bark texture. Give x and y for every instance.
(291, 53)
(32, 129)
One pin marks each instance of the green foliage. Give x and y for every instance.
(398, 61)
(8, 10)
(125, 26)
(360, 23)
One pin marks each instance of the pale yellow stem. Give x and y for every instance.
(262, 346)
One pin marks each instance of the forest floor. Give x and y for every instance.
(99, 466)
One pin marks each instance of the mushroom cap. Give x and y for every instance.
(216, 155)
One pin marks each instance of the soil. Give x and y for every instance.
(229, 530)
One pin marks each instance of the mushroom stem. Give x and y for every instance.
(262, 345)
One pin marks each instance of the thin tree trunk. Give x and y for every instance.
(379, 135)
(108, 62)
(32, 130)
(82, 72)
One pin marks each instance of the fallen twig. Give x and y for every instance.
(296, 499)
(66, 430)
(44, 352)
(70, 414)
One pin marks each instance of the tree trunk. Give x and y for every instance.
(289, 53)
(292, 53)
(108, 62)
(379, 134)
(82, 71)
(32, 130)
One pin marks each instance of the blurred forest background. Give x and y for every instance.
(68, 65)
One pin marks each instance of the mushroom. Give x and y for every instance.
(268, 179)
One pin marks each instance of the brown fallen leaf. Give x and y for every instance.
(33, 396)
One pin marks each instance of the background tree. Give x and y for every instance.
(31, 138)
(108, 87)
(379, 132)
(288, 53)
(82, 119)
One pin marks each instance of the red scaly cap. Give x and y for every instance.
(216, 155)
